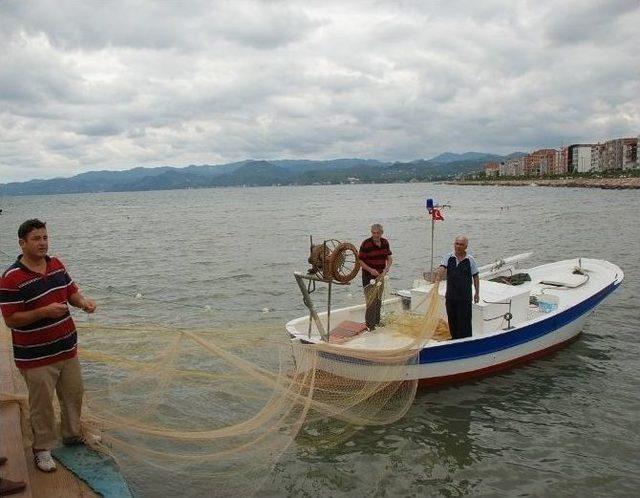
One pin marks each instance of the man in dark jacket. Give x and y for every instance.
(461, 270)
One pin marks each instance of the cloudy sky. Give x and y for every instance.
(88, 85)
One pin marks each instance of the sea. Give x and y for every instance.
(566, 425)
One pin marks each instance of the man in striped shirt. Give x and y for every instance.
(34, 296)
(375, 259)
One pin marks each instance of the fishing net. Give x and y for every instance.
(201, 412)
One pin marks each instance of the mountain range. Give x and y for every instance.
(258, 173)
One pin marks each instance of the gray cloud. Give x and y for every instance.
(113, 85)
(592, 20)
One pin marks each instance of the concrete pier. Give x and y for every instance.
(14, 445)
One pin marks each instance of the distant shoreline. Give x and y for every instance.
(603, 183)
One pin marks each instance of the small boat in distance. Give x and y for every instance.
(516, 321)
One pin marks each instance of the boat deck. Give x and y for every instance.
(20, 466)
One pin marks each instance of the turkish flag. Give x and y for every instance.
(436, 215)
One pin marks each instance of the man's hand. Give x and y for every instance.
(374, 272)
(431, 276)
(476, 298)
(88, 305)
(55, 310)
(85, 304)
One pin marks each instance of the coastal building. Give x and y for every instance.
(629, 153)
(619, 153)
(581, 160)
(540, 162)
(502, 171)
(610, 156)
(597, 157)
(491, 169)
(561, 165)
(615, 154)
(512, 167)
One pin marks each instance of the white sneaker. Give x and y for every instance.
(44, 461)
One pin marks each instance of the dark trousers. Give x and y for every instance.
(373, 298)
(459, 316)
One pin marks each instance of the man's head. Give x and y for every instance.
(376, 231)
(33, 239)
(460, 246)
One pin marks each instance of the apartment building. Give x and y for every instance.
(629, 153)
(540, 162)
(491, 169)
(616, 154)
(561, 165)
(562, 160)
(620, 153)
(597, 157)
(512, 167)
(580, 156)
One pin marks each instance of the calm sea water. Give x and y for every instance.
(566, 425)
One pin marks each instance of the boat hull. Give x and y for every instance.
(457, 361)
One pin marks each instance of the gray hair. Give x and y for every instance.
(377, 226)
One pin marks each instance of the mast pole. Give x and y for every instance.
(433, 222)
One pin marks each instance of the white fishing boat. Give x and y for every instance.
(511, 324)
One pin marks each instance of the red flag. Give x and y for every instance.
(436, 215)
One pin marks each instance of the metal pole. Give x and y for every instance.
(329, 310)
(310, 315)
(432, 230)
(309, 303)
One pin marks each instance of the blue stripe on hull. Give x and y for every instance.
(480, 347)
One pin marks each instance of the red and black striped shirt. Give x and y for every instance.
(373, 255)
(47, 340)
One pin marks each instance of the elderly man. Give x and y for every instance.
(375, 259)
(34, 295)
(461, 270)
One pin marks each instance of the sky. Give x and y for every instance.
(110, 85)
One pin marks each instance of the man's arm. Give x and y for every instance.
(79, 301)
(373, 271)
(23, 318)
(388, 265)
(476, 285)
